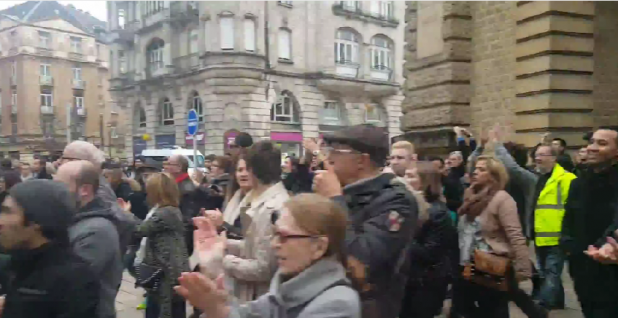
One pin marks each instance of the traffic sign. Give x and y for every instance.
(192, 123)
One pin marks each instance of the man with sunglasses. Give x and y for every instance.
(382, 214)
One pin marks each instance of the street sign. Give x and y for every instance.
(192, 123)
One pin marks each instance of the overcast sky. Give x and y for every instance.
(96, 8)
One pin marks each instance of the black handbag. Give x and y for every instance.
(149, 277)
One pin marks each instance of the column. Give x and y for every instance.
(554, 70)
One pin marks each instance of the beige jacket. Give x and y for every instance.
(251, 262)
(501, 230)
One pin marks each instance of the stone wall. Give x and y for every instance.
(606, 64)
(493, 64)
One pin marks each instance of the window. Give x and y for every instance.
(381, 53)
(14, 69)
(45, 70)
(121, 18)
(372, 113)
(227, 33)
(44, 39)
(249, 25)
(331, 112)
(283, 110)
(13, 128)
(155, 55)
(14, 98)
(167, 113)
(386, 9)
(141, 113)
(76, 45)
(122, 62)
(77, 73)
(78, 101)
(196, 104)
(193, 41)
(346, 47)
(46, 99)
(113, 132)
(152, 7)
(285, 44)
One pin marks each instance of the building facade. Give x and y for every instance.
(53, 59)
(282, 71)
(534, 67)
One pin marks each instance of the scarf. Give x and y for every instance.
(182, 177)
(476, 199)
(141, 253)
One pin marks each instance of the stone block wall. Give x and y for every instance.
(605, 111)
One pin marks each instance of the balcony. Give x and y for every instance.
(46, 80)
(347, 69)
(44, 51)
(81, 111)
(181, 11)
(76, 56)
(381, 73)
(186, 63)
(356, 12)
(78, 84)
(14, 109)
(47, 110)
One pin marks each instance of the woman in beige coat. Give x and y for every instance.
(250, 262)
(489, 223)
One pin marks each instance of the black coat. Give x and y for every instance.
(299, 181)
(590, 209)
(50, 282)
(383, 215)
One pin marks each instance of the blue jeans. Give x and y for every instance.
(551, 263)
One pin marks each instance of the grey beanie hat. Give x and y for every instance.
(47, 203)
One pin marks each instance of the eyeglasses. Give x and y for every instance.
(283, 238)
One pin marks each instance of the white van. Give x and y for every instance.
(160, 155)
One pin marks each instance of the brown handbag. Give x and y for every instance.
(489, 270)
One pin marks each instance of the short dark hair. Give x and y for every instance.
(225, 163)
(88, 175)
(614, 129)
(6, 163)
(562, 142)
(210, 157)
(435, 158)
(518, 152)
(243, 140)
(184, 163)
(266, 158)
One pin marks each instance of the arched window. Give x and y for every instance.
(285, 44)
(154, 54)
(167, 112)
(283, 109)
(140, 115)
(226, 25)
(346, 47)
(195, 102)
(381, 52)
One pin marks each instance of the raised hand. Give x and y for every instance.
(204, 293)
(124, 205)
(216, 216)
(210, 246)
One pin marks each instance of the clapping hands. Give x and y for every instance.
(607, 254)
(210, 246)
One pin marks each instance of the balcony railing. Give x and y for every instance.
(78, 84)
(381, 72)
(358, 13)
(47, 110)
(81, 111)
(186, 63)
(347, 68)
(47, 80)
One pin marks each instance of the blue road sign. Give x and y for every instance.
(192, 123)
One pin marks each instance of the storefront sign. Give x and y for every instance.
(200, 137)
(229, 136)
(165, 141)
(286, 136)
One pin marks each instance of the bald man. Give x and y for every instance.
(93, 235)
(178, 167)
(81, 150)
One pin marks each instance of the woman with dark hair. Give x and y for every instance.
(311, 281)
(300, 177)
(435, 252)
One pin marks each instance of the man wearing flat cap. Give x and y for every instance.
(382, 214)
(49, 280)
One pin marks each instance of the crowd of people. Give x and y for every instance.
(354, 228)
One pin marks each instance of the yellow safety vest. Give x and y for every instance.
(549, 210)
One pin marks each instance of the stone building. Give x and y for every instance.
(53, 61)
(535, 67)
(282, 71)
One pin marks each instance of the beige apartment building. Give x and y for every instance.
(536, 67)
(54, 66)
(279, 70)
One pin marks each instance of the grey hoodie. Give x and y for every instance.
(93, 236)
(320, 291)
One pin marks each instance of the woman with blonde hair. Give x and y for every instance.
(308, 240)
(493, 252)
(162, 255)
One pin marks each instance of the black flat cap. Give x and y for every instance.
(364, 138)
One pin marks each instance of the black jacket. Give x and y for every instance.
(435, 252)
(565, 161)
(589, 211)
(383, 215)
(188, 208)
(123, 191)
(50, 282)
(299, 181)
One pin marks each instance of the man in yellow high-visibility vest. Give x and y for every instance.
(552, 190)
